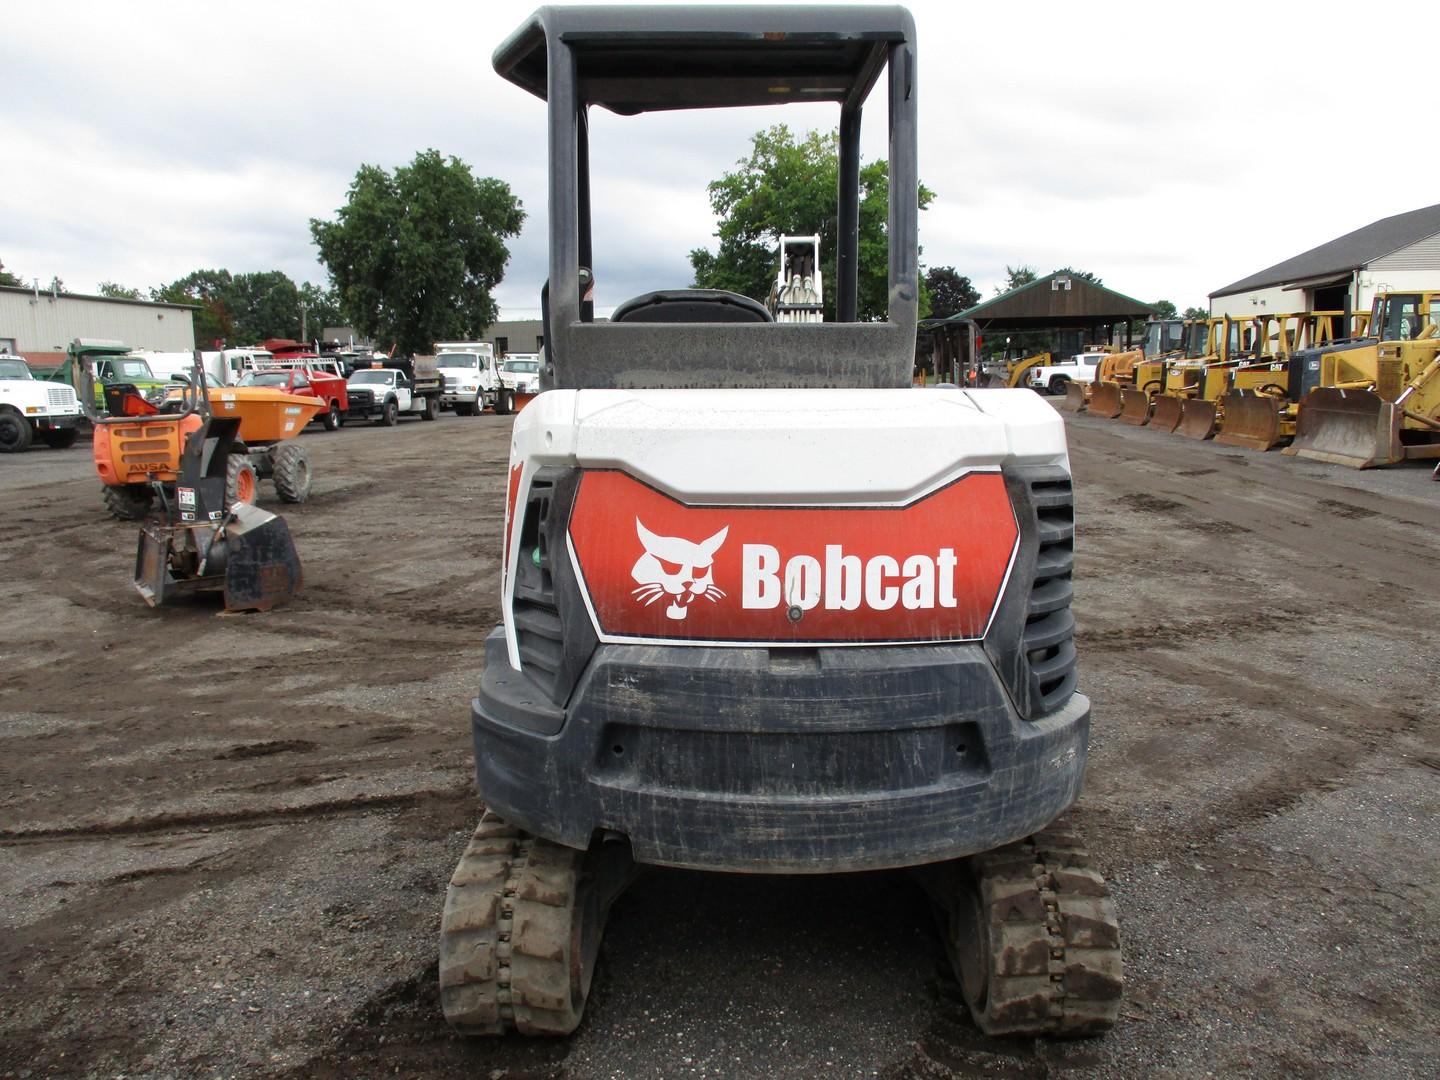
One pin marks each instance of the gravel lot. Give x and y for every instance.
(224, 840)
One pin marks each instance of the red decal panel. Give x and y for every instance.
(511, 495)
(656, 568)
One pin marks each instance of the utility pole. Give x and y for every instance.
(303, 335)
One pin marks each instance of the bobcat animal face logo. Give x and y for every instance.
(676, 569)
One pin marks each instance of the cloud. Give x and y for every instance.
(1168, 148)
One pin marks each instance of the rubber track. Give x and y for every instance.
(505, 936)
(1053, 936)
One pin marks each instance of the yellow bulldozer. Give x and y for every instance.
(1374, 401)
(1253, 358)
(1102, 394)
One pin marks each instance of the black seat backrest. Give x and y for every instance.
(691, 306)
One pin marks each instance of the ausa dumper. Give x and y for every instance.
(767, 609)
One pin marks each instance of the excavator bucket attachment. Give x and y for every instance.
(1074, 397)
(1166, 416)
(263, 568)
(1197, 418)
(1105, 400)
(1347, 427)
(1250, 420)
(1135, 407)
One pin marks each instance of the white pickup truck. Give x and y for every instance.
(1053, 378)
(31, 407)
(386, 394)
(472, 379)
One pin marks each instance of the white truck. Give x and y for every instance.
(388, 393)
(472, 379)
(520, 374)
(31, 407)
(1053, 378)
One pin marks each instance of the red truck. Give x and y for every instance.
(296, 378)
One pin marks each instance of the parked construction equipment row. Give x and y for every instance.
(1368, 398)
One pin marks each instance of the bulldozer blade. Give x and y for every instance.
(1074, 397)
(1250, 420)
(1166, 416)
(1197, 418)
(1347, 427)
(263, 568)
(1135, 407)
(1105, 400)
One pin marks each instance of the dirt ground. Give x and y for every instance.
(224, 840)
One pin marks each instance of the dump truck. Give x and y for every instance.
(108, 363)
(729, 648)
(472, 378)
(32, 408)
(136, 459)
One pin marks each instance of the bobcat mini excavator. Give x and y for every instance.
(766, 608)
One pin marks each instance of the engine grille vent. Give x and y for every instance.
(1049, 635)
(61, 397)
(538, 628)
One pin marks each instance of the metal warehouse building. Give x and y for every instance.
(38, 324)
(1393, 254)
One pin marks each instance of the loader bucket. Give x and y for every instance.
(1074, 397)
(1347, 427)
(263, 568)
(1250, 420)
(1197, 418)
(1135, 407)
(1105, 400)
(1166, 416)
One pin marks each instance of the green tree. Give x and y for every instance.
(263, 305)
(117, 292)
(210, 290)
(1082, 275)
(1016, 277)
(1195, 313)
(950, 292)
(322, 309)
(1164, 309)
(415, 254)
(786, 187)
(7, 278)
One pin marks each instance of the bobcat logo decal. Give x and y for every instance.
(676, 569)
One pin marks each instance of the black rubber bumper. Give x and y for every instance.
(785, 760)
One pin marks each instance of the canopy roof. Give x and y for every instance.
(1047, 302)
(644, 59)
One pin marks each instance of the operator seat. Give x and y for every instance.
(691, 306)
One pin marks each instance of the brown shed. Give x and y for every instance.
(1058, 302)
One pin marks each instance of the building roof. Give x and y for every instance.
(1046, 303)
(30, 291)
(1344, 254)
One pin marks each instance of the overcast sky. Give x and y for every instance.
(1170, 148)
